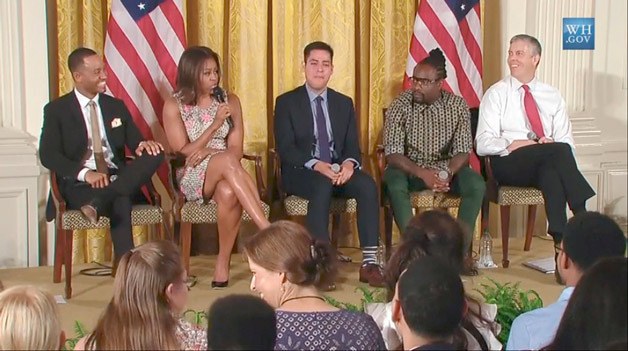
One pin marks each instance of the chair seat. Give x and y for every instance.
(193, 212)
(513, 195)
(429, 199)
(297, 206)
(140, 215)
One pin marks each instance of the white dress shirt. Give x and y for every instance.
(503, 119)
(535, 329)
(90, 163)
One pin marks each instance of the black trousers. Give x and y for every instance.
(552, 169)
(319, 190)
(116, 199)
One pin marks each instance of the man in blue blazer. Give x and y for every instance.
(317, 141)
(83, 140)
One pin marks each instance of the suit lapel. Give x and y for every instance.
(332, 108)
(76, 114)
(107, 116)
(308, 118)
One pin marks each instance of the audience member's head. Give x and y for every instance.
(595, 317)
(241, 322)
(150, 286)
(429, 303)
(283, 256)
(29, 320)
(588, 237)
(197, 73)
(430, 233)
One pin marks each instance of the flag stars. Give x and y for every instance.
(462, 7)
(141, 6)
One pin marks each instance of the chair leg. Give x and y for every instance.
(67, 255)
(59, 252)
(388, 222)
(505, 219)
(185, 237)
(530, 227)
(335, 230)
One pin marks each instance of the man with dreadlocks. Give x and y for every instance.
(427, 140)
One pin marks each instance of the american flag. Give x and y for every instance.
(144, 41)
(454, 27)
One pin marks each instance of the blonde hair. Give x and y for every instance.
(138, 317)
(29, 319)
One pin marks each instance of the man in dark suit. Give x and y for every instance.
(316, 138)
(83, 141)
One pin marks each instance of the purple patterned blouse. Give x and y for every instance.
(334, 330)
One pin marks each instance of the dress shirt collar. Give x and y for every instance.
(312, 95)
(84, 100)
(566, 294)
(515, 84)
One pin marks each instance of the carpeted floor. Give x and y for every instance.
(91, 294)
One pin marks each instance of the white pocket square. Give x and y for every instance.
(116, 123)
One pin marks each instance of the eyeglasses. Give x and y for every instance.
(423, 81)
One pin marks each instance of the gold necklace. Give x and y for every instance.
(302, 297)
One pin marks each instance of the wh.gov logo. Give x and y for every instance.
(578, 33)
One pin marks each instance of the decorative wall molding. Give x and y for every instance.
(23, 90)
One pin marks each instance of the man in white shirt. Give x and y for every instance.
(524, 127)
(588, 237)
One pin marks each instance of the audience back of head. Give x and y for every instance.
(431, 296)
(286, 246)
(430, 233)
(29, 320)
(140, 315)
(596, 315)
(590, 236)
(241, 322)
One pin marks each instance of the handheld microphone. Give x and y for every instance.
(335, 168)
(219, 94)
(533, 136)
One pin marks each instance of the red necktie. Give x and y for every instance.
(532, 111)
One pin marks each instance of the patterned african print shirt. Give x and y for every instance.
(429, 135)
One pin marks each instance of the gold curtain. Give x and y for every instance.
(261, 42)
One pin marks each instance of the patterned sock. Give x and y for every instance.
(369, 255)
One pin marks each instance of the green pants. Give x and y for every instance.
(466, 183)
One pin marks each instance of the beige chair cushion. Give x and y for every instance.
(193, 212)
(141, 215)
(429, 199)
(513, 195)
(297, 206)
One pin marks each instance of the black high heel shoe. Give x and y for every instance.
(219, 285)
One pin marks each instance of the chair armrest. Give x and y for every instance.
(381, 160)
(175, 161)
(277, 172)
(492, 186)
(261, 187)
(58, 200)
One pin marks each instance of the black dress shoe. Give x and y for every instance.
(220, 285)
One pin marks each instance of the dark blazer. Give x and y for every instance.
(294, 127)
(63, 146)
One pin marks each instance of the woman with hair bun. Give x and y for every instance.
(288, 267)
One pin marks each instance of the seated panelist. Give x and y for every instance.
(204, 125)
(83, 140)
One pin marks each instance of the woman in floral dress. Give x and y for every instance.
(208, 132)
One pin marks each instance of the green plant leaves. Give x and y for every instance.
(511, 301)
